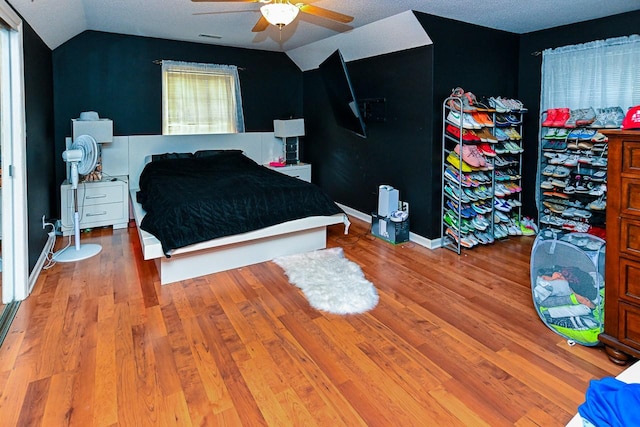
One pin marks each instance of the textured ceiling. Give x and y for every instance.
(56, 21)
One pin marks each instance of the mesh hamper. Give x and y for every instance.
(567, 284)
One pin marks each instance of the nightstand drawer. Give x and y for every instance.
(301, 171)
(97, 195)
(100, 203)
(93, 214)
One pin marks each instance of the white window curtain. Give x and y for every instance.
(200, 98)
(598, 74)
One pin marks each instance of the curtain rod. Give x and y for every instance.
(159, 62)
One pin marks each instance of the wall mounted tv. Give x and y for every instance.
(341, 95)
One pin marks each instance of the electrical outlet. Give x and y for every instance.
(405, 206)
(43, 222)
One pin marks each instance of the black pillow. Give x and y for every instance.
(170, 156)
(213, 153)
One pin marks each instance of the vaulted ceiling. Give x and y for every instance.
(230, 23)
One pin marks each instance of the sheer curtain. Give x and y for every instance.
(200, 98)
(598, 74)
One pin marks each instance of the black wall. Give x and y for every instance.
(478, 59)
(405, 151)
(116, 76)
(350, 168)
(529, 79)
(41, 190)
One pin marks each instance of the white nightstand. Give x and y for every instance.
(100, 203)
(301, 170)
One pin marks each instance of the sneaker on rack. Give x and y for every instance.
(455, 117)
(454, 160)
(561, 118)
(501, 135)
(587, 117)
(461, 98)
(467, 135)
(601, 117)
(487, 135)
(501, 205)
(551, 117)
(486, 150)
(499, 106)
(574, 116)
(470, 155)
(614, 118)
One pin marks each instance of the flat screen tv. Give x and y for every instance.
(341, 95)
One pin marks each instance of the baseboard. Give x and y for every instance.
(37, 269)
(415, 238)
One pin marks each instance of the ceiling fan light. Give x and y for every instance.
(279, 14)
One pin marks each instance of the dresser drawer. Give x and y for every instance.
(630, 197)
(629, 281)
(630, 237)
(631, 157)
(629, 316)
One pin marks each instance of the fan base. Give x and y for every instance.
(71, 254)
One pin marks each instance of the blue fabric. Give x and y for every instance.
(611, 402)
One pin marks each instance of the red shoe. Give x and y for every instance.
(467, 136)
(561, 118)
(552, 113)
(486, 149)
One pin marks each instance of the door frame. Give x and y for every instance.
(15, 279)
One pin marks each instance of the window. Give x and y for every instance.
(200, 99)
(599, 74)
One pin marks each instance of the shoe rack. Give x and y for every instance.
(572, 184)
(482, 172)
(508, 164)
(467, 185)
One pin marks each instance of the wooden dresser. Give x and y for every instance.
(621, 335)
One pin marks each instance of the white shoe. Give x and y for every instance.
(468, 118)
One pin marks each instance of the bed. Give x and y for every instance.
(213, 243)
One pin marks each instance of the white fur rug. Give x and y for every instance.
(330, 282)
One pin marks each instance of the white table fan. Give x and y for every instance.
(82, 157)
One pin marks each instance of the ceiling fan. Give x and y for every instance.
(283, 12)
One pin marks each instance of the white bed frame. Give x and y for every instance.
(230, 252)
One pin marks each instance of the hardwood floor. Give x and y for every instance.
(454, 340)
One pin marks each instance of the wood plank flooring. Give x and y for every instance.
(454, 340)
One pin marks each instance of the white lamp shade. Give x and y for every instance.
(288, 128)
(279, 14)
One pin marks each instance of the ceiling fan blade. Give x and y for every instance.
(224, 12)
(261, 25)
(326, 13)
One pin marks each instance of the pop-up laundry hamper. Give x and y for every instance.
(567, 283)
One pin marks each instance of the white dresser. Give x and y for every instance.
(100, 203)
(301, 171)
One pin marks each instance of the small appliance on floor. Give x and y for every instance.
(390, 222)
(82, 157)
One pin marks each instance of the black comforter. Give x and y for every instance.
(191, 200)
